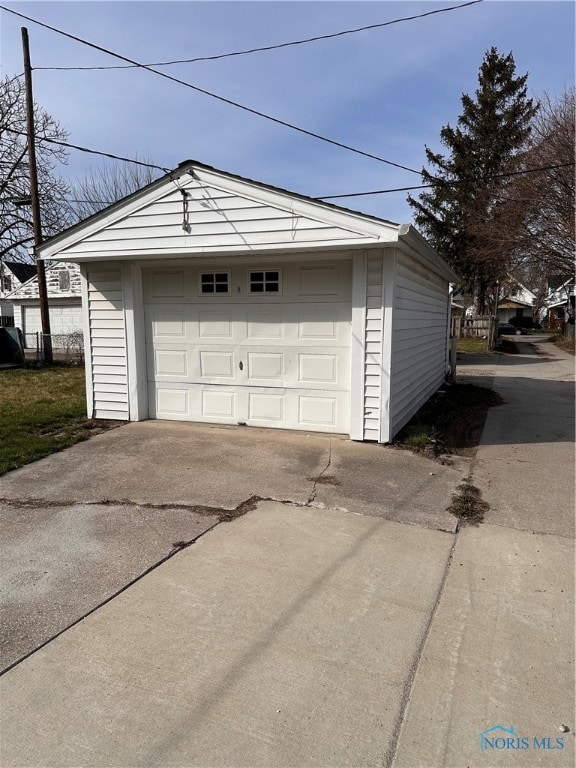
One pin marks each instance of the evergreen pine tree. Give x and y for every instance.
(455, 214)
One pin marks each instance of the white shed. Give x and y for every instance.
(209, 297)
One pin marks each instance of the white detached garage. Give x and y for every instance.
(63, 285)
(212, 298)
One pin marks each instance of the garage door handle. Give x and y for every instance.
(241, 365)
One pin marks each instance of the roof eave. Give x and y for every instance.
(412, 237)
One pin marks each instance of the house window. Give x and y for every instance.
(64, 280)
(214, 282)
(266, 281)
(6, 283)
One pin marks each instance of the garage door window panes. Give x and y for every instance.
(214, 282)
(267, 281)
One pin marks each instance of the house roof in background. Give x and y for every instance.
(509, 303)
(558, 281)
(22, 272)
(30, 289)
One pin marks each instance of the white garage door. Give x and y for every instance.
(267, 346)
(63, 320)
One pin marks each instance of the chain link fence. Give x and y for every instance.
(66, 347)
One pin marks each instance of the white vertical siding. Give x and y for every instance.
(373, 347)
(418, 363)
(108, 372)
(357, 346)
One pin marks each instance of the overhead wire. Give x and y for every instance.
(447, 183)
(196, 88)
(134, 64)
(91, 151)
(278, 46)
(170, 171)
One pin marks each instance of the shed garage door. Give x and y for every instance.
(261, 345)
(63, 319)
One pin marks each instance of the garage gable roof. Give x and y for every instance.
(196, 209)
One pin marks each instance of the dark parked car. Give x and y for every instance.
(11, 351)
(512, 330)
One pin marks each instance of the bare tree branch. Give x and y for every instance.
(15, 222)
(107, 183)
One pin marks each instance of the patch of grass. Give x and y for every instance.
(471, 345)
(565, 343)
(418, 435)
(450, 422)
(468, 505)
(42, 411)
(543, 331)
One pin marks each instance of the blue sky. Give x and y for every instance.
(386, 91)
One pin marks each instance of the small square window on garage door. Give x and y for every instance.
(214, 282)
(265, 281)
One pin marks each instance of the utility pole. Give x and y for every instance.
(34, 196)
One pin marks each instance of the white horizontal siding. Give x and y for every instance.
(212, 220)
(418, 339)
(107, 342)
(101, 413)
(373, 348)
(185, 244)
(220, 226)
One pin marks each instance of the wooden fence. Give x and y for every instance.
(480, 327)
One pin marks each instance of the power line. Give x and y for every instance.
(375, 192)
(92, 151)
(111, 156)
(236, 104)
(448, 183)
(271, 47)
(322, 197)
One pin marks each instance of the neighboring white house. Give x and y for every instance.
(517, 302)
(12, 275)
(209, 297)
(559, 304)
(63, 285)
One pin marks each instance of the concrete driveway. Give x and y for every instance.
(285, 638)
(81, 525)
(314, 631)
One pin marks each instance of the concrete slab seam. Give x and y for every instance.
(178, 547)
(530, 530)
(224, 515)
(388, 760)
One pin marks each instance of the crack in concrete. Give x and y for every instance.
(317, 479)
(224, 514)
